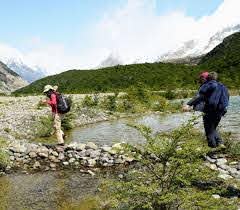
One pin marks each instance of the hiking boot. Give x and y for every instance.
(221, 146)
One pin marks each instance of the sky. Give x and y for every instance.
(59, 35)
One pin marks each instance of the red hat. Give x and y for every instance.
(204, 75)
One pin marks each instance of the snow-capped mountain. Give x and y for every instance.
(27, 73)
(196, 48)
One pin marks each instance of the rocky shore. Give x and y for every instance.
(37, 157)
(20, 116)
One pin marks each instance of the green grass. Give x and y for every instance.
(4, 157)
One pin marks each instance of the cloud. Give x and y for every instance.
(134, 31)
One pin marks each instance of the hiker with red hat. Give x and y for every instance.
(212, 99)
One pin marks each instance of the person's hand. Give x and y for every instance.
(186, 108)
(44, 101)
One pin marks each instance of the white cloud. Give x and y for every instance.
(135, 32)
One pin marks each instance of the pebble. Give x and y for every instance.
(216, 196)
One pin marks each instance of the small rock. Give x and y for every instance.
(36, 165)
(33, 154)
(216, 196)
(117, 146)
(233, 163)
(225, 176)
(211, 160)
(12, 158)
(54, 159)
(72, 160)
(60, 149)
(106, 148)
(91, 145)
(65, 163)
(91, 173)
(55, 153)
(222, 171)
(52, 165)
(91, 162)
(119, 161)
(120, 176)
(233, 171)
(221, 161)
(95, 154)
(211, 166)
(61, 156)
(113, 152)
(41, 154)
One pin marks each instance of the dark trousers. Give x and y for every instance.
(211, 121)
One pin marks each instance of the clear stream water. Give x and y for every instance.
(50, 190)
(119, 131)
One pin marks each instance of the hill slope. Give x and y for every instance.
(225, 59)
(9, 80)
(155, 76)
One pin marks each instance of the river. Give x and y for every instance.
(52, 190)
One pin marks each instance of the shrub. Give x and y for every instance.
(170, 94)
(88, 101)
(232, 145)
(159, 103)
(44, 127)
(67, 121)
(110, 102)
(169, 167)
(4, 157)
(139, 93)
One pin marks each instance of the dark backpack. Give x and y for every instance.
(224, 98)
(219, 98)
(63, 103)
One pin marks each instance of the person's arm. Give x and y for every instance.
(196, 100)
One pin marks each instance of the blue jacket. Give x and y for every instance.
(208, 97)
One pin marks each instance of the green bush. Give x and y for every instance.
(110, 102)
(126, 104)
(89, 101)
(4, 157)
(67, 121)
(159, 103)
(169, 166)
(44, 127)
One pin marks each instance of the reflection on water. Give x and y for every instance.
(49, 190)
(118, 131)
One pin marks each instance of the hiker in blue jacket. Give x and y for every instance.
(212, 99)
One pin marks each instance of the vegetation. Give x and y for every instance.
(170, 175)
(44, 127)
(154, 76)
(225, 59)
(4, 157)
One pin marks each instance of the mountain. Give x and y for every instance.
(197, 48)
(155, 76)
(225, 59)
(27, 73)
(9, 80)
